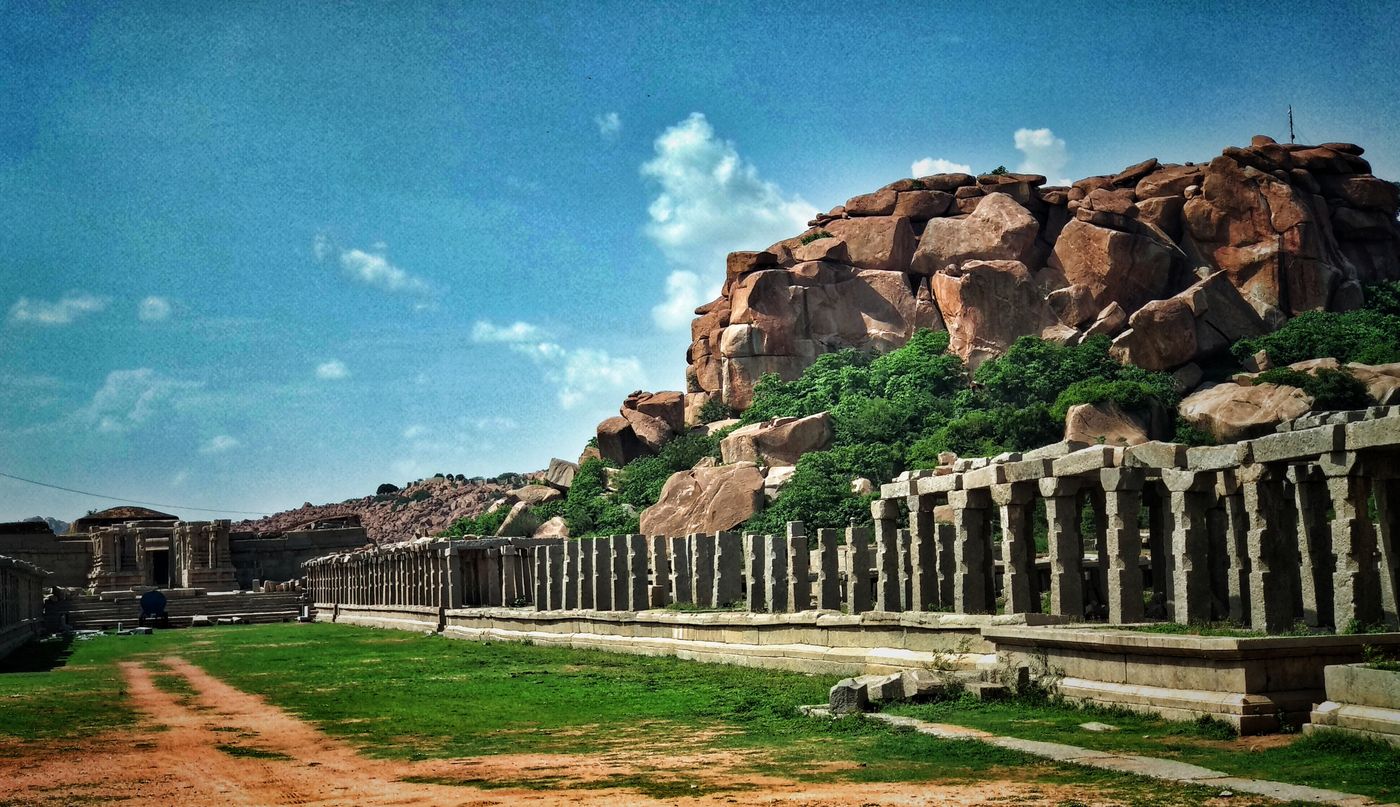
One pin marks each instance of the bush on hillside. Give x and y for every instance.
(641, 480)
(1369, 336)
(819, 492)
(590, 510)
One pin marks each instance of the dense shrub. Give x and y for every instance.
(1330, 389)
(714, 410)
(641, 480)
(386, 488)
(481, 524)
(589, 510)
(819, 492)
(1366, 336)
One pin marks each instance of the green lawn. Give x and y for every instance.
(405, 695)
(1322, 760)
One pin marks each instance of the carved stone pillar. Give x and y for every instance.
(1190, 495)
(1121, 563)
(1066, 546)
(972, 582)
(1015, 502)
(923, 554)
(1356, 583)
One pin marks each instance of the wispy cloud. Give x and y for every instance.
(609, 124)
(153, 309)
(578, 374)
(128, 399)
(710, 202)
(371, 268)
(928, 166)
(63, 311)
(333, 370)
(218, 444)
(1043, 153)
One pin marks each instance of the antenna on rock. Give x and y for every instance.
(1290, 123)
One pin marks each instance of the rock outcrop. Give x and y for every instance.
(777, 442)
(1232, 412)
(705, 500)
(1104, 424)
(1173, 262)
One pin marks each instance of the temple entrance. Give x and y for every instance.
(160, 567)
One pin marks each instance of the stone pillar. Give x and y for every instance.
(1236, 525)
(729, 569)
(586, 588)
(1315, 562)
(858, 599)
(828, 570)
(571, 574)
(923, 554)
(556, 577)
(510, 575)
(622, 595)
(703, 548)
(1155, 499)
(638, 567)
(1121, 561)
(1356, 583)
(885, 513)
(453, 557)
(660, 589)
(775, 573)
(972, 582)
(602, 574)
(1387, 493)
(1190, 494)
(799, 594)
(753, 572)
(1015, 501)
(541, 579)
(1270, 542)
(1066, 546)
(681, 579)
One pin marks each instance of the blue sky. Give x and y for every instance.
(253, 254)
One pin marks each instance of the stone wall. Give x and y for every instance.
(279, 557)
(21, 602)
(68, 558)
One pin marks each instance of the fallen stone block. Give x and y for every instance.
(882, 688)
(986, 690)
(848, 696)
(200, 621)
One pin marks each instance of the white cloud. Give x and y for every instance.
(333, 370)
(492, 424)
(414, 432)
(929, 166)
(153, 309)
(371, 268)
(577, 373)
(60, 312)
(1043, 153)
(684, 291)
(609, 124)
(712, 202)
(129, 398)
(219, 444)
(486, 331)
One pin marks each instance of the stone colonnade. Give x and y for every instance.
(1300, 525)
(21, 602)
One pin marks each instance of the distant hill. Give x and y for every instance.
(58, 527)
(422, 508)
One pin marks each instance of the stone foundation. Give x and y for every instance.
(1360, 700)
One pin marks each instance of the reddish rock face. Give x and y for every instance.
(1234, 412)
(617, 442)
(777, 442)
(1276, 229)
(705, 500)
(667, 406)
(1104, 424)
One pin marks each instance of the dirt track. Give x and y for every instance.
(269, 757)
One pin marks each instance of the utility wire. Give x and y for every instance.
(129, 501)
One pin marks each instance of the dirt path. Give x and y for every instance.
(224, 746)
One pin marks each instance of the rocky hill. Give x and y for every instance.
(422, 508)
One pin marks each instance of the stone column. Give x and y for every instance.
(828, 570)
(1356, 583)
(622, 595)
(602, 574)
(972, 582)
(753, 572)
(571, 574)
(1387, 493)
(680, 570)
(1122, 559)
(1315, 562)
(729, 569)
(660, 589)
(1066, 546)
(1190, 494)
(541, 579)
(638, 567)
(858, 599)
(885, 513)
(1270, 542)
(510, 575)
(799, 594)
(702, 559)
(775, 573)
(1235, 522)
(556, 577)
(453, 554)
(586, 588)
(923, 554)
(1015, 500)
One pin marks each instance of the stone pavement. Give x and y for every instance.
(1165, 769)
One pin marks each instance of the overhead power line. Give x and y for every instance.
(128, 501)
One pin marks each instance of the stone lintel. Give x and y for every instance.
(1373, 433)
(1181, 481)
(1298, 444)
(1013, 493)
(1085, 460)
(895, 490)
(1059, 486)
(985, 476)
(1217, 458)
(940, 484)
(1155, 454)
(1054, 450)
(1029, 470)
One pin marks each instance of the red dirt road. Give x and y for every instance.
(223, 746)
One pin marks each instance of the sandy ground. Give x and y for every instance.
(177, 759)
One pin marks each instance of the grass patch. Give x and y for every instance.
(64, 688)
(1195, 629)
(1336, 762)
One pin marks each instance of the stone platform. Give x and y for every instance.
(1361, 700)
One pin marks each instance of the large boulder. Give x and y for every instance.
(519, 522)
(986, 305)
(560, 473)
(1232, 412)
(618, 443)
(1160, 336)
(777, 442)
(536, 494)
(1104, 424)
(886, 243)
(1382, 381)
(705, 500)
(651, 432)
(999, 229)
(554, 528)
(1115, 266)
(667, 406)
